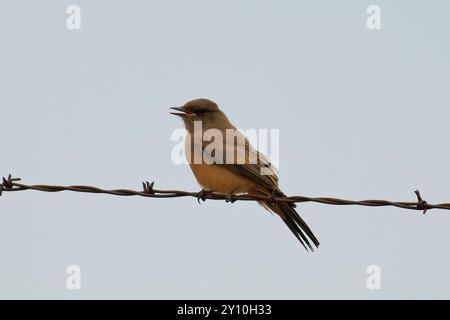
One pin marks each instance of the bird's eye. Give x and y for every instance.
(200, 111)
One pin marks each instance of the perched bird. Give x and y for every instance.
(250, 172)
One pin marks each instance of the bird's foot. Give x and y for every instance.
(230, 199)
(202, 195)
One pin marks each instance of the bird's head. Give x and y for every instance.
(203, 110)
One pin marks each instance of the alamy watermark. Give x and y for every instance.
(373, 281)
(231, 146)
(374, 19)
(73, 281)
(73, 21)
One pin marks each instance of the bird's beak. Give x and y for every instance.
(180, 113)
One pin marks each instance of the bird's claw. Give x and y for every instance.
(230, 199)
(202, 195)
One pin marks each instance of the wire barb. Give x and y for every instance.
(7, 183)
(421, 204)
(11, 184)
(148, 187)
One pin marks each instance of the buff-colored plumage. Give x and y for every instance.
(244, 175)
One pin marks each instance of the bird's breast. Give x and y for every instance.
(214, 177)
(217, 178)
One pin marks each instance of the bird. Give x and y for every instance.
(239, 176)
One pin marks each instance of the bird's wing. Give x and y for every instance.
(252, 164)
(264, 174)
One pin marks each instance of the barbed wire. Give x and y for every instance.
(11, 184)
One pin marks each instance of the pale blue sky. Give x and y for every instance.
(362, 114)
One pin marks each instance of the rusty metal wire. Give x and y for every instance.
(11, 184)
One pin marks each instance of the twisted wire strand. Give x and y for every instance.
(11, 184)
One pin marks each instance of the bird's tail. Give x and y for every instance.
(294, 222)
